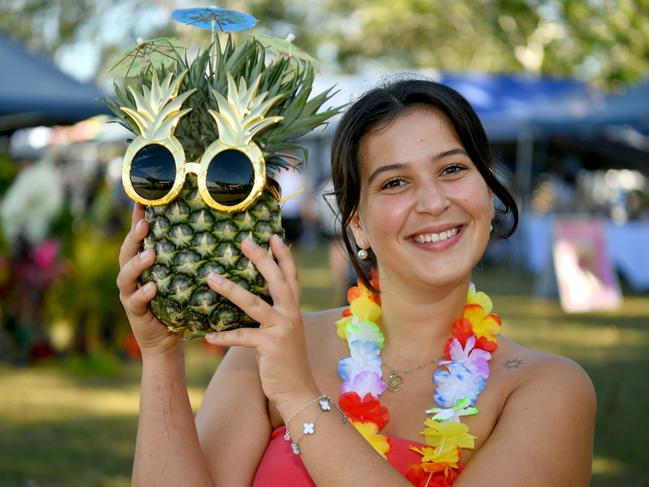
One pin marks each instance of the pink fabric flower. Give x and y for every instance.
(364, 383)
(474, 359)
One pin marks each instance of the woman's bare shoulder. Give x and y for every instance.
(536, 364)
(537, 368)
(544, 429)
(320, 325)
(322, 317)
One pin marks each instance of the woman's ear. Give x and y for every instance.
(358, 232)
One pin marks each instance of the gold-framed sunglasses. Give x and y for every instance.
(231, 173)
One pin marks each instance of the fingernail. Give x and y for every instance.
(149, 287)
(278, 239)
(215, 279)
(144, 254)
(140, 224)
(211, 338)
(250, 241)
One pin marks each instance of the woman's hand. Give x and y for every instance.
(152, 336)
(280, 344)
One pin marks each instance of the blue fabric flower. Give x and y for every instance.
(455, 383)
(365, 357)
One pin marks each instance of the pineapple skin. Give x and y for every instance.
(192, 240)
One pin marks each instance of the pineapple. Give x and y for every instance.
(241, 102)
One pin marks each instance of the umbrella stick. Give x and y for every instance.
(213, 44)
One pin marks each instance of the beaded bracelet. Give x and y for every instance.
(308, 427)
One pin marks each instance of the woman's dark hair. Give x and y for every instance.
(380, 106)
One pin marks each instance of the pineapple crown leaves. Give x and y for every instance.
(277, 76)
(158, 110)
(242, 115)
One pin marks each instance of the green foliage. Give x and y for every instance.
(8, 171)
(290, 79)
(606, 41)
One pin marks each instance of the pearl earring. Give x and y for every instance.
(362, 254)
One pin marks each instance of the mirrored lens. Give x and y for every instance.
(230, 177)
(153, 172)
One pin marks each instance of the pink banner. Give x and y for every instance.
(585, 274)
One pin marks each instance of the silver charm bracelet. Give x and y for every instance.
(308, 427)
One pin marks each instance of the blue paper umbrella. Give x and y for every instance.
(214, 18)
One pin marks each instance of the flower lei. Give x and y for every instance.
(460, 378)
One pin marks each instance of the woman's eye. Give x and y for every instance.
(453, 169)
(392, 183)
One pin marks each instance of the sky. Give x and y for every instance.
(80, 59)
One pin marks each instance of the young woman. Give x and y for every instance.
(414, 183)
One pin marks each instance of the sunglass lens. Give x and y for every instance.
(230, 177)
(153, 172)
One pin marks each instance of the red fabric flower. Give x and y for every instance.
(418, 475)
(463, 330)
(366, 410)
(432, 474)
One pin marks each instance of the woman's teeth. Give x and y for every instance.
(435, 237)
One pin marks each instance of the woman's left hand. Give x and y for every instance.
(280, 343)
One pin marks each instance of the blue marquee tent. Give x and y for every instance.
(35, 92)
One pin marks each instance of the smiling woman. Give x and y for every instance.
(301, 402)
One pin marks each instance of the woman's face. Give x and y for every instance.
(425, 209)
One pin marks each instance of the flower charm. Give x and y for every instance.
(309, 428)
(325, 405)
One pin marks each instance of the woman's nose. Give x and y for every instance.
(432, 199)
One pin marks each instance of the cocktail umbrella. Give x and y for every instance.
(284, 47)
(157, 52)
(211, 18)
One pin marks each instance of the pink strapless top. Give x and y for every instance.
(280, 467)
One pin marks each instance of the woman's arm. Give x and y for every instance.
(234, 427)
(167, 449)
(544, 436)
(336, 455)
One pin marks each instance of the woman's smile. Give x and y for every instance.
(437, 239)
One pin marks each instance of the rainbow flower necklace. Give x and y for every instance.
(460, 378)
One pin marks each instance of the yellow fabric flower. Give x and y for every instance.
(447, 437)
(341, 327)
(483, 324)
(365, 309)
(370, 432)
(449, 457)
(480, 298)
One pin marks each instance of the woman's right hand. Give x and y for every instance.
(151, 334)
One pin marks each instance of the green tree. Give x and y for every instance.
(606, 40)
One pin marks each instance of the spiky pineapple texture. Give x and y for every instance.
(281, 76)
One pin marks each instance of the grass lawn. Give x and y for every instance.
(73, 424)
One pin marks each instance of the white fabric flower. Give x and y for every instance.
(34, 199)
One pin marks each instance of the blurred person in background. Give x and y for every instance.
(412, 174)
